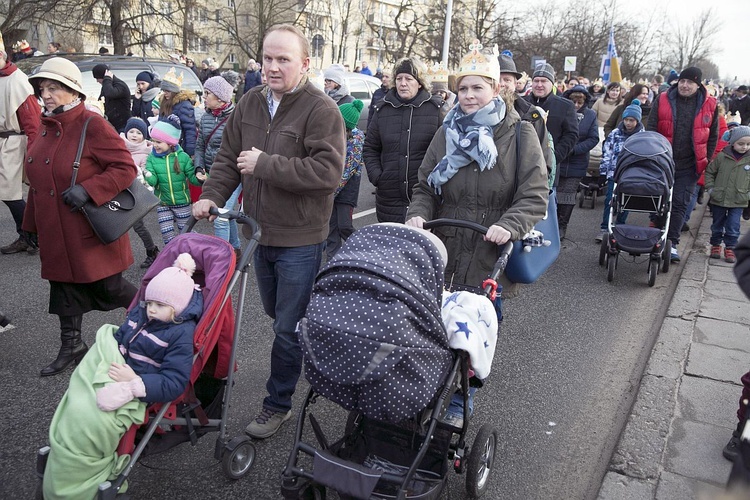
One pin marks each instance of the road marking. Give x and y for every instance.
(363, 214)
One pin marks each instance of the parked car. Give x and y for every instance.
(360, 87)
(126, 68)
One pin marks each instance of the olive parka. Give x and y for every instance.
(486, 197)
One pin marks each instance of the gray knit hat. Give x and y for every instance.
(545, 70)
(736, 134)
(335, 75)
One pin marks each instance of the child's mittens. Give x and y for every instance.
(146, 174)
(113, 396)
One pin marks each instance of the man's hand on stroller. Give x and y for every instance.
(497, 235)
(201, 208)
(121, 372)
(416, 222)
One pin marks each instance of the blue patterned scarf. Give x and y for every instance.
(468, 138)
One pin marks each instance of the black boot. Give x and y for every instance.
(563, 217)
(72, 348)
(150, 257)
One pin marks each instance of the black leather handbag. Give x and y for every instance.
(114, 218)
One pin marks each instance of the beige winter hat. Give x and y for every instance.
(60, 70)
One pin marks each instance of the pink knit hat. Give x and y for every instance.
(173, 286)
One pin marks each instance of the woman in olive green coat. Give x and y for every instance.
(479, 179)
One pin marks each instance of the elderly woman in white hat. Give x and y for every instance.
(84, 273)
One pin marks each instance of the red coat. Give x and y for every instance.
(69, 250)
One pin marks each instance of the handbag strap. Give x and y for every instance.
(518, 156)
(77, 161)
(216, 128)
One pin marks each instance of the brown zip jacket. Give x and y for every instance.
(291, 191)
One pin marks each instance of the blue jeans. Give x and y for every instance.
(622, 218)
(691, 205)
(726, 226)
(285, 279)
(226, 229)
(685, 181)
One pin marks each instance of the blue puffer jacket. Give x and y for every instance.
(160, 353)
(185, 111)
(612, 147)
(577, 162)
(208, 144)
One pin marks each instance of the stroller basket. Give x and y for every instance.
(636, 203)
(636, 239)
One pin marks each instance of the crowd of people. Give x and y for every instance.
(295, 155)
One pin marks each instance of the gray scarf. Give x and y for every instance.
(468, 138)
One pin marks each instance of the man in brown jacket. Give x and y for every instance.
(285, 142)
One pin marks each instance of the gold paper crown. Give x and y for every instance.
(21, 45)
(480, 64)
(171, 77)
(599, 82)
(2, 43)
(437, 73)
(524, 77)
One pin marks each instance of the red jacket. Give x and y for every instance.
(701, 127)
(69, 250)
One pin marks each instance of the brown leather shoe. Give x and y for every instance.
(16, 247)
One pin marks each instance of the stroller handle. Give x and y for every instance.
(505, 251)
(240, 217)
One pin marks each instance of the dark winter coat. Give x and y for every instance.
(577, 162)
(252, 79)
(169, 345)
(208, 144)
(290, 193)
(395, 145)
(562, 123)
(69, 250)
(742, 268)
(184, 108)
(117, 101)
(142, 107)
(377, 96)
(743, 106)
(486, 197)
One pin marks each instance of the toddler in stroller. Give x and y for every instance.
(374, 342)
(189, 405)
(643, 183)
(128, 367)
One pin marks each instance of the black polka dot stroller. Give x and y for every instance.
(374, 343)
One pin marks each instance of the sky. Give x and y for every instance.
(732, 15)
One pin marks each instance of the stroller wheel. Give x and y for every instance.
(603, 250)
(481, 459)
(666, 256)
(581, 198)
(238, 457)
(611, 266)
(653, 270)
(593, 199)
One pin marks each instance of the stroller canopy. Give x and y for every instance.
(645, 166)
(373, 337)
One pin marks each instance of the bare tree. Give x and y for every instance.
(691, 42)
(17, 15)
(403, 29)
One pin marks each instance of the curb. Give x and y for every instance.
(636, 468)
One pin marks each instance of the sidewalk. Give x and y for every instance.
(686, 405)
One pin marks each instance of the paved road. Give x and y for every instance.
(571, 352)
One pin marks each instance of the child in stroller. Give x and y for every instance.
(374, 342)
(148, 359)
